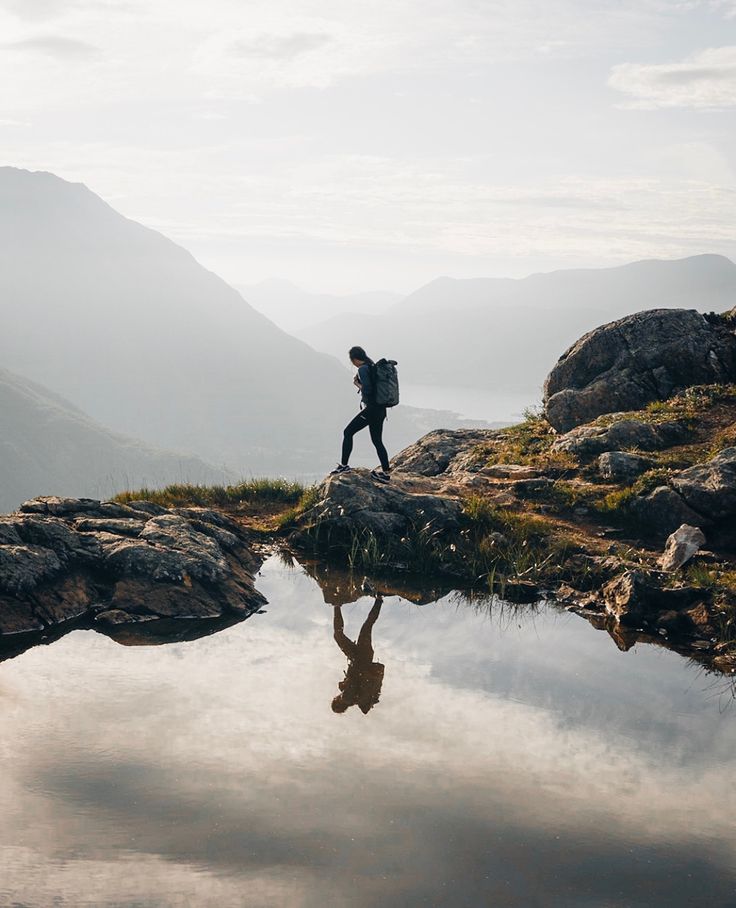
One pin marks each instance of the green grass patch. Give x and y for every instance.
(618, 502)
(499, 543)
(277, 491)
(492, 546)
(308, 499)
(528, 443)
(687, 405)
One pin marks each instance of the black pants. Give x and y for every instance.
(372, 417)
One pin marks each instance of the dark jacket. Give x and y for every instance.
(367, 384)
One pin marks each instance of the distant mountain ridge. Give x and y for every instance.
(507, 333)
(708, 274)
(128, 325)
(49, 446)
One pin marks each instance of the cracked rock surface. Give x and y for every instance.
(640, 358)
(71, 558)
(353, 501)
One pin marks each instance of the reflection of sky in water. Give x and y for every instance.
(514, 761)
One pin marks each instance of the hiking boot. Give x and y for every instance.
(340, 468)
(381, 475)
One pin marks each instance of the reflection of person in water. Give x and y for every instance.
(364, 677)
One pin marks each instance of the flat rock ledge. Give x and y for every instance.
(109, 564)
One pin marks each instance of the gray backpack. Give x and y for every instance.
(386, 380)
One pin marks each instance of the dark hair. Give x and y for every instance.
(358, 353)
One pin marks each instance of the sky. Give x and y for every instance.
(349, 145)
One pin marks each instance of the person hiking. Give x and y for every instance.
(371, 415)
(363, 678)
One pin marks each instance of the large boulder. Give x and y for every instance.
(640, 358)
(65, 558)
(354, 502)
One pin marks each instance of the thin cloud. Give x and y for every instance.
(56, 46)
(281, 47)
(706, 80)
(727, 6)
(43, 10)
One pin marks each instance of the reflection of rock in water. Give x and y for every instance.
(363, 678)
(137, 632)
(340, 585)
(166, 630)
(133, 572)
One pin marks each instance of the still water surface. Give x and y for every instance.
(492, 759)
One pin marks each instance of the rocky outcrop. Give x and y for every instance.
(700, 496)
(710, 488)
(618, 466)
(635, 598)
(443, 451)
(585, 442)
(64, 559)
(354, 502)
(628, 363)
(663, 510)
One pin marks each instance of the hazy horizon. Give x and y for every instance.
(377, 147)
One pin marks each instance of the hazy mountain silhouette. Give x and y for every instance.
(48, 446)
(292, 308)
(507, 334)
(125, 323)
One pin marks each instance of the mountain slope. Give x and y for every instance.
(130, 327)
(48, 446)
(506, 334)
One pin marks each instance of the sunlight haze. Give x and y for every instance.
(355, 147)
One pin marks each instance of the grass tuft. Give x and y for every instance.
(252, 491)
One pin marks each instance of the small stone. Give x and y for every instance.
(509, 471)
(681, 546)
(618, 466)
